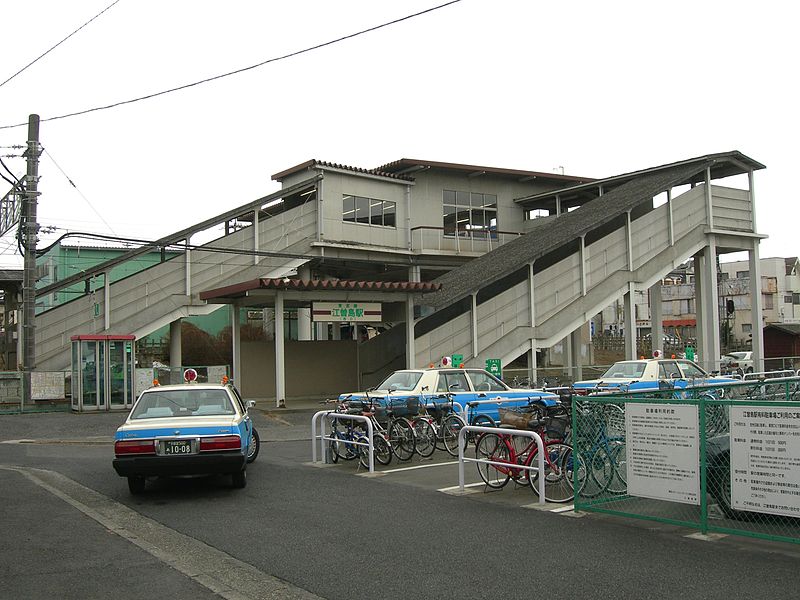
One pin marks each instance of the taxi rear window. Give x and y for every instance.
(182, 403)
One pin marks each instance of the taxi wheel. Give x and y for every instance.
(136, 485)
(239, 479)
(254, 446)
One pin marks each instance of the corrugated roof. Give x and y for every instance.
(408, 164)
(310, 164)
(544, 237)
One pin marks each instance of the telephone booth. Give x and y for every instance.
(102, 372)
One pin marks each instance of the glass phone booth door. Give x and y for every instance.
(102, 372)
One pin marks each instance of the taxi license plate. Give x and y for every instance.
(177, 447)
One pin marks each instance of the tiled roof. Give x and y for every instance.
(266, 283)
(310, 164)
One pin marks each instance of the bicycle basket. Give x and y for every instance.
(517, 419)
(557, 422)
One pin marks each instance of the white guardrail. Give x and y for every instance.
(501, 430)
(332, 414)
(770, 374)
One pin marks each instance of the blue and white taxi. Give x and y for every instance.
(186, 429)
(648, 374)
(476, 391)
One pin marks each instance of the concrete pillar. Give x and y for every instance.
(322, 331)
(175, 358)
(532, 364)
(280, 375)
(304, 324)
(700, 308)
(236, 343)
(411, 356)
(629, 302)
(656, 317)
(414, 273)
(568, 356)
(711, 292)
(577, 354)
(756, 311)
(474, 327)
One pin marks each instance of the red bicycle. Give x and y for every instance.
(502, 455)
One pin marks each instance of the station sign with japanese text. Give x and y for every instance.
(347, 312)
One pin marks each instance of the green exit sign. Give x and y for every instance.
(493, 366)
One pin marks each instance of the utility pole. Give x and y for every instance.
(29, 229)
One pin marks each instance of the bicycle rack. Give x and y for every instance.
(520, 432)
(331, 414)
(769, 375)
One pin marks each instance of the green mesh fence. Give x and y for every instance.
(722, 458)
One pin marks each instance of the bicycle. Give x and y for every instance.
(603, 466)
(444, 424)
(502, 456)
(398, 432)
(347, 433)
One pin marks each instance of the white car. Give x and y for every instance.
(737, 362)
(646, 374)
(186, 429)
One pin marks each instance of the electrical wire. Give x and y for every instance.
(242, 70)
(58, 44)
(10, 172)
(72, 183)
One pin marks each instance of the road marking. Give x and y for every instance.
(218, 571)
(415, 467)
(456, 487)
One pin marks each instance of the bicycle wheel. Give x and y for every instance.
(491, 446)
(381, 449)
(559, 465)
(596, 470)
(401, 438)
(618, 482)
(480, 421)
(451, 427)
(425, 437)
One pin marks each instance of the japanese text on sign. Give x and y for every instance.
(765, 460)
(662, 452)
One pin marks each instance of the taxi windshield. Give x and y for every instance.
(182, 403)
(403, 381)
(625, 370)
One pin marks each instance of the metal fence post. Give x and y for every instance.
(703, 473)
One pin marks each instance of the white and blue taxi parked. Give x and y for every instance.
(479, 393)
(186, 429)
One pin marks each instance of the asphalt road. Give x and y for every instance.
(70, 529)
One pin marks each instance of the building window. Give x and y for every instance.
(747, 327)
(768, 300)
(368, 211)
(742, 274)
(787, 299)
(470, 214)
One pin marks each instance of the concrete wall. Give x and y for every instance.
(321, 369)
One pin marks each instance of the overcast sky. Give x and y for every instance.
(596, 88)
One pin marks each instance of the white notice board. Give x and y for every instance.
(765, 459)
(662, 452)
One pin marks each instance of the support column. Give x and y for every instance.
(188, 266)
(712, 307)
(699, 306)
(304, 324)
(411, 356)
(532, 366)
(656, 317)
(756, 310)
(280, 375)
(474, 315)
(175, 350)
(414, 273)
(629, 302)
(577, 356)
(256, 247)
(236, 347)
(567, 355)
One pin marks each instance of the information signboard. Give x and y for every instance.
(662, 452)
(765, 459)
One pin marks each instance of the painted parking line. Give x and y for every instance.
(455, 487)
(415, 467)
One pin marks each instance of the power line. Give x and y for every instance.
(58, 44)
(242, 70)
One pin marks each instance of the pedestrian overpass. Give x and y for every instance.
(603, 241)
